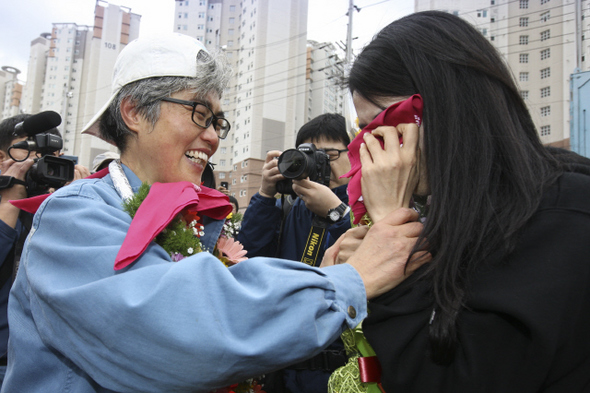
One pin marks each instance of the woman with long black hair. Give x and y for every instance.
(504, 306)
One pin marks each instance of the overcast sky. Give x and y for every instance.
(23, 21)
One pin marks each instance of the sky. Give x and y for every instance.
(23, 21)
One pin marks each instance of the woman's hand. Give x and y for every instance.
(390, 175)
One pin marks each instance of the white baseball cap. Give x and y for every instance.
(166, 55)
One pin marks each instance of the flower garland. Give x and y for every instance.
(181, 239)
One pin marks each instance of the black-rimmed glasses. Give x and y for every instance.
(334, 154)
(203, 116)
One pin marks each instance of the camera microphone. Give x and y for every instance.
(38, 123)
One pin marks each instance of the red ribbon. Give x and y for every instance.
(370, 369)
(407, 111)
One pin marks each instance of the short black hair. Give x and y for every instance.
(330, 126)
(7, 130)
(235, 202)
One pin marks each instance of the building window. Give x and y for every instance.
(482, 13)
(545, 16)
(544, 1)
(223, 150)
(545, 35)
(221, 162)
(524, 4)
(232, 8)
(200, 27)
(523, 40)
(545, 130)
(201, 15)
(545, 92)
(545, 111)
(523, 77)
(523, 58)
(524, 94)
(545, 53)
(222, 175)
(233, 182)
(545, 73)
(232, 21)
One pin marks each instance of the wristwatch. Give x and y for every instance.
(9, 181)
(336, 214)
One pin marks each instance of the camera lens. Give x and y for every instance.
(293, 164)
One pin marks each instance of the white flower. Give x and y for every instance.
(190, 250)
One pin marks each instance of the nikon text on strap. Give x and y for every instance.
(314, 241)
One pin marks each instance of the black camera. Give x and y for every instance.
(305, 161)
(48, 171)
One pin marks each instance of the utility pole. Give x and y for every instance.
(349, 33)
(578, 35)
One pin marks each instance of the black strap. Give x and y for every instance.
(314, 241)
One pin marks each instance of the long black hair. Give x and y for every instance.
(486, 166)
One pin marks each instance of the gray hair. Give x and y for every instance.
(213, 74)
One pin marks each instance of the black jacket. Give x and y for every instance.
(526, 327)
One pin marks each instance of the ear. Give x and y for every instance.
(130, 115)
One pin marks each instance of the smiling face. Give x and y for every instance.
(175, 148)
(368, 110)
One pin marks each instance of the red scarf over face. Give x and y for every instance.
(407, 111)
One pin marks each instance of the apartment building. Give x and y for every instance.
(10, 91)
(265, 42)
(538, 39)
(324, 70)
(70, 71)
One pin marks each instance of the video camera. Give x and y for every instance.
(305, 161)
(48, 171)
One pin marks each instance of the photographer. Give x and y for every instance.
(265, 212)
(14, 223)
(268, 229)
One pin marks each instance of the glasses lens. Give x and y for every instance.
(202, 116)
(222, 127)
(333, 154)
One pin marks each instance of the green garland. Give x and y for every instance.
(177, 238)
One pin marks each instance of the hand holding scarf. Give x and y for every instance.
(407, 111)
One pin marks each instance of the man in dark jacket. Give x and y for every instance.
(269, 230)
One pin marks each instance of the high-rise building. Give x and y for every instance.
(323, 73)
(70, 72)
(33, 91)
(265, 42)
(538, 39)
(11, 90)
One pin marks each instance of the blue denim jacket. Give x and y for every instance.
(76, 325)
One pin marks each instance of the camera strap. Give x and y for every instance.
(314, 241)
